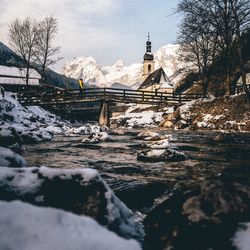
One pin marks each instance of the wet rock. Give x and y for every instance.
(181, 124)
(218, 138)
(80, 191)
(9, 158)
(157, 155)
(205, 217)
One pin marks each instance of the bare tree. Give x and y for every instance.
(23, 37)
(217, 26)
(198, 42)
(241, 15)
(45, 51)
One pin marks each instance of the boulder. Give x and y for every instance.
(80, 191)
(204, 217)
(158, 155)
(168, 124)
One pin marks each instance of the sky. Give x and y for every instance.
(108, 30)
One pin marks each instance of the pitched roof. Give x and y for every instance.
(157, 77)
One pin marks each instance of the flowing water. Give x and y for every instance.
(142, 185)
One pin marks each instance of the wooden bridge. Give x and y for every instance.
(102, 101)
(61, 97)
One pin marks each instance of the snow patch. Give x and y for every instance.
(39, 228)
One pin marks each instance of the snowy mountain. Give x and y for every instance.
(103, 76)
(119, 73)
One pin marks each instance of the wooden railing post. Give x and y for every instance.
(104, 92)
(143, 96)
(180, 98)
(124, 94)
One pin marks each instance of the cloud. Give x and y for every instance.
(79, 32)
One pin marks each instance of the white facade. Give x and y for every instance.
(14, 75)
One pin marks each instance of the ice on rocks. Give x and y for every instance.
(24, 226)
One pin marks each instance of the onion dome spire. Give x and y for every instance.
(148, 55)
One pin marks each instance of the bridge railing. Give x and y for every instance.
(118, 95)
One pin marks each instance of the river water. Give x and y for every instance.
(140, 185)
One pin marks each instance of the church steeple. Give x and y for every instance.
(148, 60)
(148, 55)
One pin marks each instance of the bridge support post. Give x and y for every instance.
(104, 115)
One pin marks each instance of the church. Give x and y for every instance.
(153, 80)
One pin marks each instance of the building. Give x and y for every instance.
(153, 80)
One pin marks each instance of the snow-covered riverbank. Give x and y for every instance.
(89, 195)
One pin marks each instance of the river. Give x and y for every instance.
(140, 185)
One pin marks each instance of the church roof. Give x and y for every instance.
(157, 77)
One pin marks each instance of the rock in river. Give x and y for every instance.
(205, 217)
(157, 155)
(81, 191)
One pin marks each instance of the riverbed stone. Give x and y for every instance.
(205, 217)
(80, 191)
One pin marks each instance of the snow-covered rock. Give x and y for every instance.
(9, 137)
(105, 76)
(81, 191)
(98, 137)
(241, 239)
(9, 158)
(157, 155)
(24, 226)
(87, 129)
(136, 118)
(30, 123)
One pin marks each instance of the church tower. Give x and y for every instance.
(148, 60)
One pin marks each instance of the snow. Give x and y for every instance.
(131, 75)
(159, 144)
(155, 152)
(241, 239)
(103, 76)
(8, 158)
(23, 226)
(31, 123)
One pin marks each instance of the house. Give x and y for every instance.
(153, 80)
